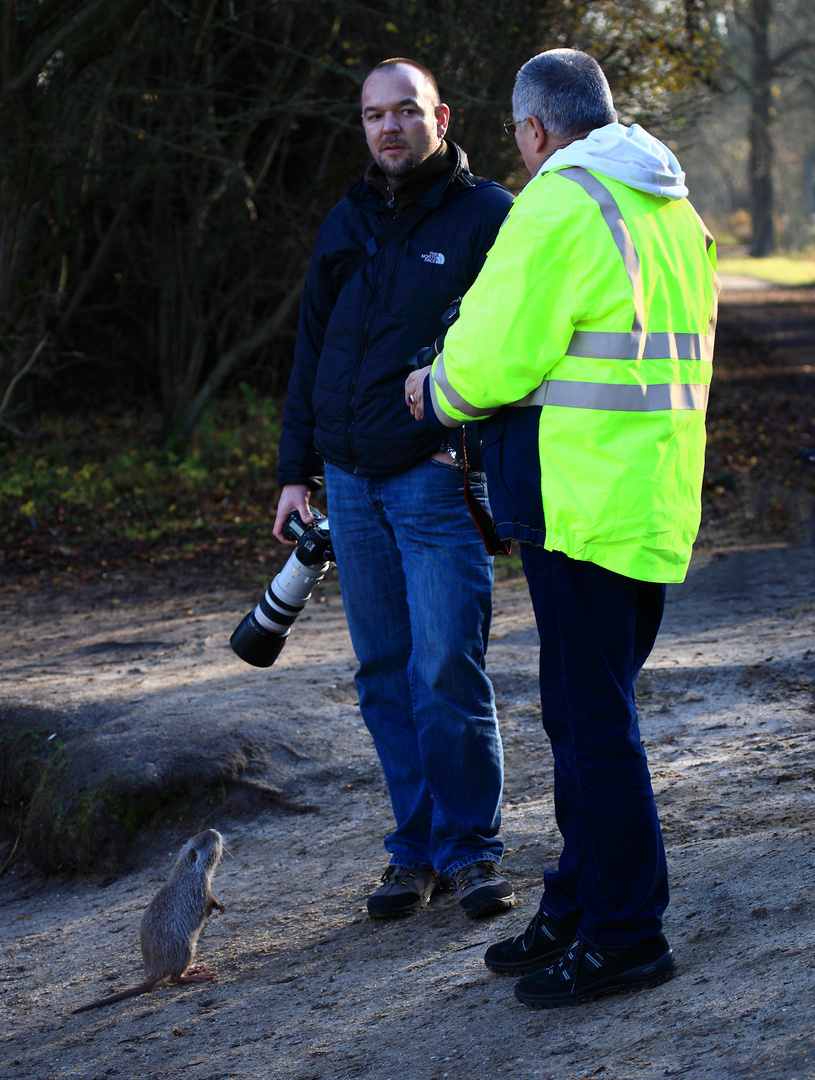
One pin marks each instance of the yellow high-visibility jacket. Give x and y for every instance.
(585, 346)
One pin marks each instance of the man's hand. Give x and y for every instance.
(292, 497)
(414, 391)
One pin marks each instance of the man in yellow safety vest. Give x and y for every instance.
(584, 348)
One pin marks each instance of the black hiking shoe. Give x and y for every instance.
(544, 940)
(403, 891)
(482, 890)
(585, 972)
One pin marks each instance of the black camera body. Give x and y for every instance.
(429, 353)
(261, 635)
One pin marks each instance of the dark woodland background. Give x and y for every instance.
(164, 168)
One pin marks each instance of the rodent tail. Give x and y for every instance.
(142, 988)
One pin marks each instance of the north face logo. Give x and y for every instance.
(434, 257)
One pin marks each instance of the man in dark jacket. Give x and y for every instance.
(415, 578)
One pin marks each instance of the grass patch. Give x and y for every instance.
(96, 490)
(781, 269)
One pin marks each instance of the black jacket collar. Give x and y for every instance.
(426, 186)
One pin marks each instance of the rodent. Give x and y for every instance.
(175, 917)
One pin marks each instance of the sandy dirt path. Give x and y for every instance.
(310, 988)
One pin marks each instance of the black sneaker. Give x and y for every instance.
(402, 892)
(482, 890)
(585, 972)
(544, 940)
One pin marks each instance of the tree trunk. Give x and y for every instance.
(761, 147)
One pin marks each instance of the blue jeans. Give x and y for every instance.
(417, 587)
(596, 630)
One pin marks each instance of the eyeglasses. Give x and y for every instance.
(511, 126)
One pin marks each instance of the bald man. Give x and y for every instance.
(407, 240)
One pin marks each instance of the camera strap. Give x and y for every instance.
(396, 229)
(482, 518)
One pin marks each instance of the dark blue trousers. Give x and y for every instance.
(596, 631)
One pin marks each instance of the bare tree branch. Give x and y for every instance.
(32, 360)
(47, 50)
(788, 54)
(228, 360)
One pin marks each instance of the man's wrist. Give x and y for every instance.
(311, 483)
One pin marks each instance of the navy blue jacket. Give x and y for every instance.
(345, 400)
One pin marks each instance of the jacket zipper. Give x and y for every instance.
(384, 256)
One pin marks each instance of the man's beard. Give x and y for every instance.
(397, 169)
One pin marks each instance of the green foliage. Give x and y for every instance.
(95, 491)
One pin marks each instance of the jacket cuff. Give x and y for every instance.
(430, 420)
(313, 483)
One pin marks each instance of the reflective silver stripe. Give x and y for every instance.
(626, 345)
(610, 345)
(625, 245)
(616, 397)
(619, 231)
(441, 415)
(439, 379)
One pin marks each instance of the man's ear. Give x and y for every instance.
(540, 135)
(442, 113)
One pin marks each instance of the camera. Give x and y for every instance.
(261, 635)
(429, 353)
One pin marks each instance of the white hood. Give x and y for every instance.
(627, 154)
